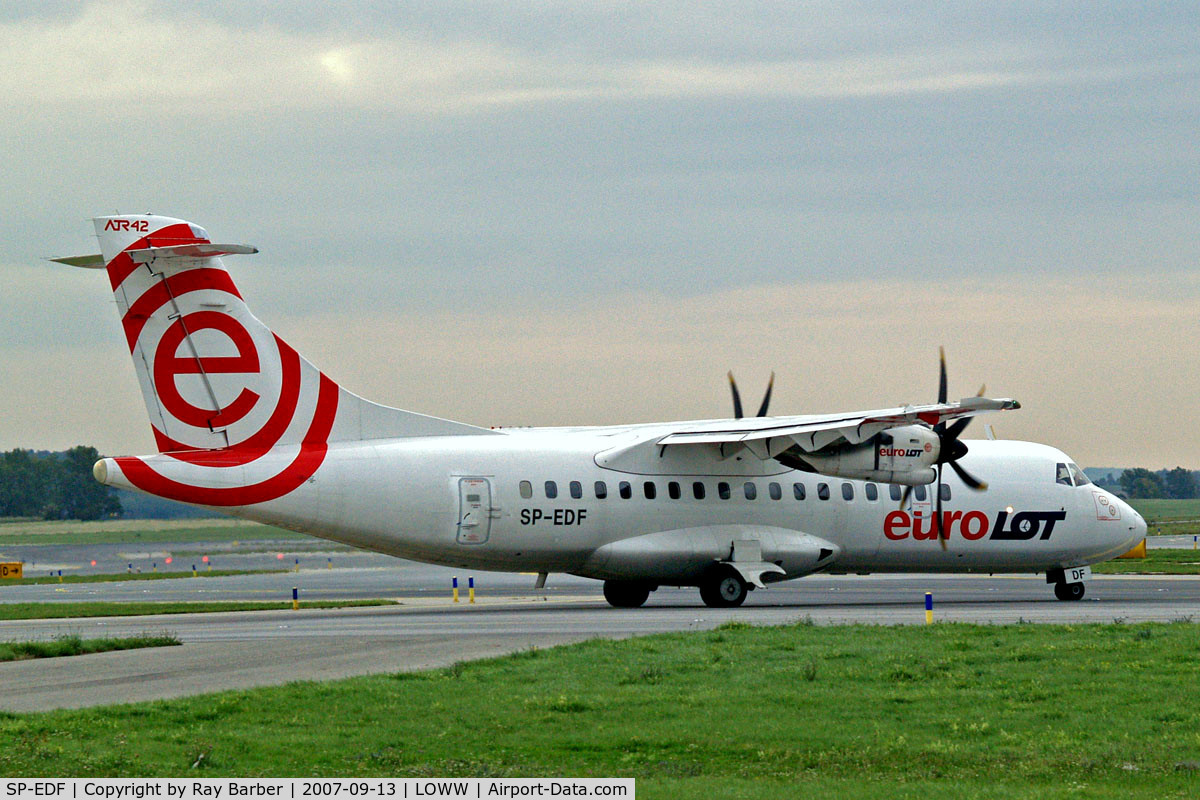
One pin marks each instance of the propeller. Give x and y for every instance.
(737, 397)
(951, 450)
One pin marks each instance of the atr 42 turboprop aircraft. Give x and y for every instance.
(247, 426)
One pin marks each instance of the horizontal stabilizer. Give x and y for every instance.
(94, 261)
(147, 254)
(203, 250)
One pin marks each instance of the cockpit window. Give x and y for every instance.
(1081, 479)
(1062, 474)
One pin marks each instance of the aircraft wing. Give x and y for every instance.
(767, 437)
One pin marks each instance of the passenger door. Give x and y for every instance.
(475, 510)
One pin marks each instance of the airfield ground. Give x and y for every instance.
(958, 710)
(740, 711)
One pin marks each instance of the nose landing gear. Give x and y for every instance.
(1063, 589)
(1068, 591)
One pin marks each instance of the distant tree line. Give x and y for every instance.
(54, 486)
(1139, 483)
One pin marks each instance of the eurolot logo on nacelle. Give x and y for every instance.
(973, 525)
(901, 452)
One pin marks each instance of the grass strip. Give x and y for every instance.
(946, 710)
(1167, 510)
(1158, 561)
(73, 645)
(150, 536)
(117, 609)
(135, 576)
(1174, 528)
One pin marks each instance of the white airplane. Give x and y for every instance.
(246, 426)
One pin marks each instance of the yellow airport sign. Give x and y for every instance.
(11, 569)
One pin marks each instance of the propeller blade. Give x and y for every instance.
(958, 427)
(737, 398)
(762, 410)
(941, 533)
(904, 497)
(951, 448)
(942, 375)
(982, 390)
(970, 480)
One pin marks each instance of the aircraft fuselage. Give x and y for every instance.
(410, 498)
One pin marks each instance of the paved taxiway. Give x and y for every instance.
(238, 650)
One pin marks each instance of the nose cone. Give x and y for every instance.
(1139, 528)
(1135, 529)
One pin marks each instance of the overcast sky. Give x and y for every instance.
(587, 212)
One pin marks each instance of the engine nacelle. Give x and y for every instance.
(904, 455)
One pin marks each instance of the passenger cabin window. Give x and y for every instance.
(872, 492)
(847, 492)
(774, 490)
(576, 490)
(919, 493)
(945, 492)
(751, 490)
(650, 490)
(625, 490)
(698, 490)
(894, 492)
(823, 491)
(798, 491)
(1063, 475)
(601, 490)
(723, 490)
(526, 489)
(673, 490)
(551, 490)
(1078, 475)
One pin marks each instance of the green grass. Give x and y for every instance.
(1158, 561)
(1167, 510)
(75, 646)
(252, 547)
(141, 532)
(101, 609)
(1176, 528)
(948, 710)
(134, 576)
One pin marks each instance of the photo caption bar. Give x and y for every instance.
(311, 789)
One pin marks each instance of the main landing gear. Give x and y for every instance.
(725, 589)
(1062, 589)
(627, 594)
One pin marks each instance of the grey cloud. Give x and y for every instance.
(533, 159)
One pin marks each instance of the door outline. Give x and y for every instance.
(475, 511)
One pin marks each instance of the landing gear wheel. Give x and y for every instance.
(725, 590)
(626, 594)
(1068, 591)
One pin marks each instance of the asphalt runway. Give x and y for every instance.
(246, 649)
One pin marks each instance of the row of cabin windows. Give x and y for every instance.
(725, 491)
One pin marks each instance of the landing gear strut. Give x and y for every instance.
(725, 589)
(626, 594)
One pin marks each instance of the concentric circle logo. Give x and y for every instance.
(168, 366)
(230, 394)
